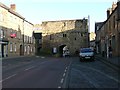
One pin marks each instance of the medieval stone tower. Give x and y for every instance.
(71, 33)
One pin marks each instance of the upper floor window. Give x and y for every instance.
(110, 25)
(1, 34)
(50, 37)
(97, 27)
(25, 48)
(114, 21)
(1, 17)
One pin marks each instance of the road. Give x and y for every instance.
(93, 74)
(51, 72)
(34, 72)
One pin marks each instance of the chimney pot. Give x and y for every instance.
(13, 7)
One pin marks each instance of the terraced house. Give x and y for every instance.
(16, 33)
(108, 32)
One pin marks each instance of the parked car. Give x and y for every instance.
(86, 54)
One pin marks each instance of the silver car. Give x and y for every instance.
(86, 54)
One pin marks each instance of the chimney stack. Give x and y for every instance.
(13, 7)
(109, 11)
(114, 5)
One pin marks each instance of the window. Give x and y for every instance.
(18, 35)
(25, 38)
(1, 33)
(15, 47)
(114, 22)
(64, 35)
(25, 48)
(28, 50)
(50, 37)
(75, 38)
(11, 47)
(81, 34)
(97, 27)
(109, 25)
(1, 17)
(40, 41)
(31, 49)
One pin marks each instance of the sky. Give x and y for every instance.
(37, 11)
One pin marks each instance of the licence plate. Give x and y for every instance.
(87, 57)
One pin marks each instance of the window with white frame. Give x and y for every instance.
(1, 17)
(15, 48)
(28, 50)
(31, 49)
(11, 47)
(1, 33)
(24, 38)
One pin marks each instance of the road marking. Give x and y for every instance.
(37, 56)
(62, 80)
(42, 57)
(59, 86)
(29, 68)
(64, 75)
(101, 73)
(87, 78)
(65, 70)
(8, 77)
(43, 62)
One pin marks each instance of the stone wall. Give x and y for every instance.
(72, 33)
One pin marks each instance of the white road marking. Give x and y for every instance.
(43, 62)
(42, 57)
(37, 56)
(29, 68)
(64, 75)
(87, 78)
(62, 80)
(8, 77)
(65, 70)
(101, 73)
(59, 86)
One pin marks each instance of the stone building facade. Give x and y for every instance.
(108, 33)
(71, 33)
(15, 33)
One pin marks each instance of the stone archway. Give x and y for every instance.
(61, 50)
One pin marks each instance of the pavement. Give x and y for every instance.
(12, 57)
(113, 62)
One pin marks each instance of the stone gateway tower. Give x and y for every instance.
(70, 33)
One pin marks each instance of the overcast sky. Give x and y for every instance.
(37, 11)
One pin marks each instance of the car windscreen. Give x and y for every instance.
(86, 50)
